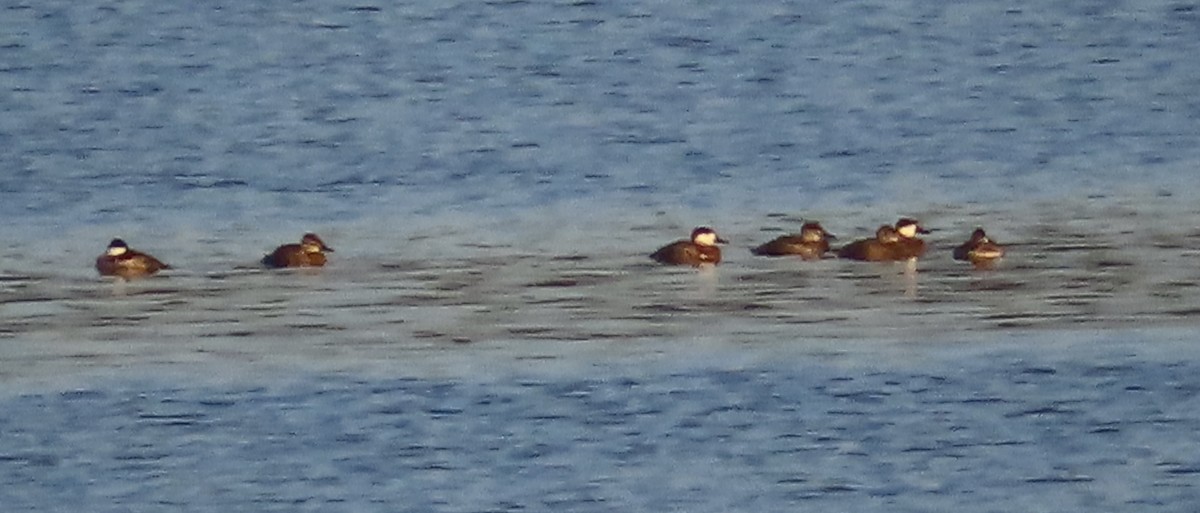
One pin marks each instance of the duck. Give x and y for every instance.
(980, 249)
(810, 244)
(881, 248)
(124, 262)
(310, 252)
(699, 250)
(909, 246)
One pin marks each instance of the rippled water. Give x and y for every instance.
(490, 335)
(911, 427)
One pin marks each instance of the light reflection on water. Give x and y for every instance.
(1094, 270)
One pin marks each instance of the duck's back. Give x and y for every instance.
(793, 245)
(870, 250)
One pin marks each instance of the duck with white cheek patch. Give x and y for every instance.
(910, 247)
(700, 249)
(980, 250)
(122, 261)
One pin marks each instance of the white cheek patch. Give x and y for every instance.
(116, 251)
(907, 231)
(706, 239)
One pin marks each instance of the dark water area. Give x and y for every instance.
(917, 427)
(121, 117)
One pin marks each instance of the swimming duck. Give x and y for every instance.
(700, 249)
(980, 249)
(810, 244)
(310, 252)
(883, 247)
(909, 246)
(120, 260)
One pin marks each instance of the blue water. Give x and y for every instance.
(490, 336)
(929, 429)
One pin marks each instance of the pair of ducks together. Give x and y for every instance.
(890, 244)
(122, 261)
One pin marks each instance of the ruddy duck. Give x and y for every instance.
(884, 247)
(120, 260)
(310, 252)
(909, 245)
(979, 250)
(810, 244)
(700, 249)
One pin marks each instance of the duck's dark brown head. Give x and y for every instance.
(812, 231)
(887, 234)
(313, 244)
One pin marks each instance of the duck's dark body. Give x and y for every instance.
(883, 247)
(686, 252)
(310, 252)
(293, 255)
(810, 244)
(909, 248)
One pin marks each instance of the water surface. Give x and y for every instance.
(490, 335)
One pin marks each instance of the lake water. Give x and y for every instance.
(490, 335)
